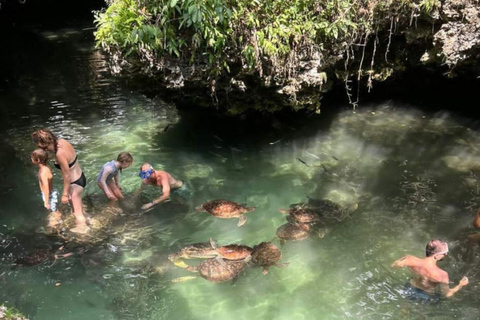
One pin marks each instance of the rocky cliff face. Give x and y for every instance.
(458, 40)
(448, 40)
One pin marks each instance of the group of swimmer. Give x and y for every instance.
(428, 284)
(74, 180)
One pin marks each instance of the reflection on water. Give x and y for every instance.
(413, 175)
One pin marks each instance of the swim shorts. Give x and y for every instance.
(53, 200)
(185, 191)
(418, 295)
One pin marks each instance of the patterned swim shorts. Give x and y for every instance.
(53, 200)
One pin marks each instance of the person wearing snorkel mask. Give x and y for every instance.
(429, 282)
(160, 179)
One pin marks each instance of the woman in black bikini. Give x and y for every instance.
(73, 178)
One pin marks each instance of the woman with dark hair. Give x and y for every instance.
(73, 178)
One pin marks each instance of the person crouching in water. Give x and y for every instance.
(107, 178)
(39, 158)
(162, 180)
(429, 282)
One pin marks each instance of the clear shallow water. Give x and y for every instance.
(414, 176)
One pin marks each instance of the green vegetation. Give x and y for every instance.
(10, 314)
(268, 39)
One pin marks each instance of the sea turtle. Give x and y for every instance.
(225, 209)
(40, 256)
(210, 250)
(35, 257)
(317, 227)
(302, 213)
(266, 255)
(290, 231)
(328, 210)
(216, 270)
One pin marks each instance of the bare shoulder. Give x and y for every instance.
(163, 174)
(65, 147)
(441, 276)
(407, 261)
(45, 172)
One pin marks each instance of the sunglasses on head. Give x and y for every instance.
(145, 174)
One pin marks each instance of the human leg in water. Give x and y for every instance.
(77, 205)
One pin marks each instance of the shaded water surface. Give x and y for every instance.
(414, 176)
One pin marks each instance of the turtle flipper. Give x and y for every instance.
(183, 279)
(282, 265)
(213, 243)
(241, 220)
(200, 208)
(321, 233)
(180, 263)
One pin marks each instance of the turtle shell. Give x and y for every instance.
(304, 214)
(306, 226)
(218, 270)
(35, 257)
(234, 252)
(323, 205)
(291, 231)
(224, 208)
(266, 254)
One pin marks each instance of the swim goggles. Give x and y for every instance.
(145, 174)
(443, 252)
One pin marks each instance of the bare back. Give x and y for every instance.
(427, 276)
(66, 154)
(163, 176)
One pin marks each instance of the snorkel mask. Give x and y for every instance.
(145, 174)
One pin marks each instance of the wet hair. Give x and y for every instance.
(40, 156)
(146, 163)
(124, 157)
(434, 247)
(45, 137)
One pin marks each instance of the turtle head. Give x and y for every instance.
(192, 268)
(249, 209)
(175, 256)
(199, 208)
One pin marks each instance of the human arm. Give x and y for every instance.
(402, 262)
(165, 183)
(448, 292)
(65, 169)
(45, 188)
(102, 183)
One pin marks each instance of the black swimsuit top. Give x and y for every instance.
(70, 165)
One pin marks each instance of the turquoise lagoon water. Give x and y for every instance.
(414, 176)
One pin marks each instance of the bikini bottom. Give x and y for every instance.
(82, 181)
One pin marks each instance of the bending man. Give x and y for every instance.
(160, 179)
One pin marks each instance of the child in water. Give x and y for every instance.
(107, 178)
(39, 157)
